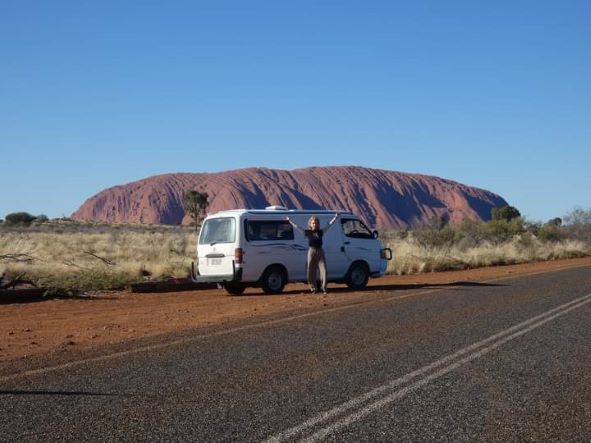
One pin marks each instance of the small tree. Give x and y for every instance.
(578, 224)
(506, 213)
(195, 204)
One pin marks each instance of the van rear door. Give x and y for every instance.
(217, 244)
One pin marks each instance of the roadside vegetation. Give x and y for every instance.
(85, 256)
(506, 239)
(69, 255)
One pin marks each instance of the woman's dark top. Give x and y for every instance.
(314, 238)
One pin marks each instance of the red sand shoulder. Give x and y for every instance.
(62, 325)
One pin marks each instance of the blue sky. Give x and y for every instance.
(99, 93)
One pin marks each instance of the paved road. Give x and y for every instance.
(501, 361)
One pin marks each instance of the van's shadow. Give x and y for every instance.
(17, 296)
(459, 285)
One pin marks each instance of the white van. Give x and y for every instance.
(244, 247)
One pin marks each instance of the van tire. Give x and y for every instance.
(273, 280)
(358, 276)
(234, 289)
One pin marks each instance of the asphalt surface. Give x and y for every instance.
(502, 361)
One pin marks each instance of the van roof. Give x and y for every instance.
(275, 210)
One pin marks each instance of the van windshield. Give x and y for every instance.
(218, 230)
(355, 229)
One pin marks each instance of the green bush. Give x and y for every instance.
(438, 238)
(506, 213)
(41, 218)
(20, 218)
(470, 233)
(499, 231)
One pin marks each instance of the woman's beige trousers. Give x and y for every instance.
(316, 260)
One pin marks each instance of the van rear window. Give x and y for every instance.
(264, 230)
(218, 230)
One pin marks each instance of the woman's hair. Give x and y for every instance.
(311, 220)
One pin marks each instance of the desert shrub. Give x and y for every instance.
(497, 242)
(532, 227)
(41, 218)
(470, 233)
(437, 238)
(499, 231)
(551, 232)
(436, 232)
(578, 225)
(506, 213)
(19, 218)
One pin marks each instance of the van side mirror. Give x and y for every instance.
(375, 234)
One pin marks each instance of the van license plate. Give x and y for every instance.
(214, 261)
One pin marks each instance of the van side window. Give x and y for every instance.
(355, 229)
(264, 230)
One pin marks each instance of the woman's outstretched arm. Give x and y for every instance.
(294, 224)
(330, 223)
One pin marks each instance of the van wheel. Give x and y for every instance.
(234, 289)
(358, 276)
(273, 280)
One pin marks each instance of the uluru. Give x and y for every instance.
(384, 199)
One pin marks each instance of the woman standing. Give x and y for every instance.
(316, 258)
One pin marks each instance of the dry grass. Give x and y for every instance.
(104, 259)
(411, 256)
(98, 256)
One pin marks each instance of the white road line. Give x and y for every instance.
(496, 340)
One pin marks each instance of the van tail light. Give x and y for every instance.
(238, 255)
(386, 254)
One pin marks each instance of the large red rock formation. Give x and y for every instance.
(385, 199)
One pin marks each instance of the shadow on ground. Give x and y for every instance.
(393, 287)
(67, 393)
(32, 295)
